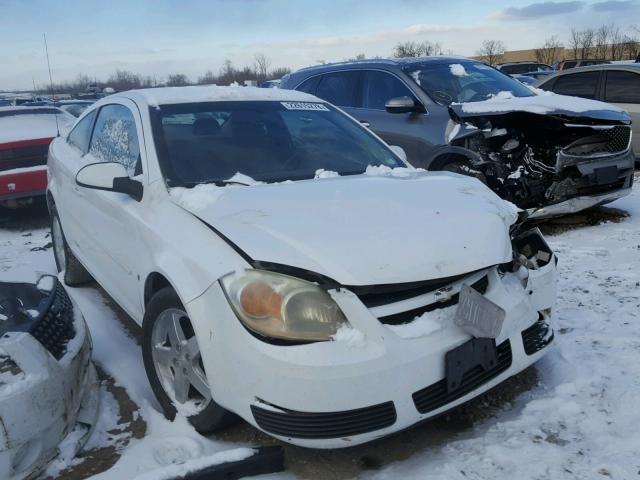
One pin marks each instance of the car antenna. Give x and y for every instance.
(46, 50)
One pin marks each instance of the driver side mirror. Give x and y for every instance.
(404, 105)
(111, 177)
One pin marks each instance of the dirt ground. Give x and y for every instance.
(307, 463)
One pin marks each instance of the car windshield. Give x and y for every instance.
(266, 141)
(448, 83)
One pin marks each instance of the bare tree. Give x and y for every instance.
(429, 49)
(491, 51)
(124, 80)
(550, 51)
(407, 49)
(177, 80)
(209, 78)
(601, 41)
(261, 66)
(587, 40)
(618, 40)
(280, 72)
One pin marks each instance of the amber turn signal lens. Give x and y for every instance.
(259, 300)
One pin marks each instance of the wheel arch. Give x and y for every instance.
(445, 153)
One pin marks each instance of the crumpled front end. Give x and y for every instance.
(48, 385)
(550, 164)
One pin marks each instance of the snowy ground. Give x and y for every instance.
(574, 415)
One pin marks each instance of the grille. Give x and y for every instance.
(611, 140)
(54, 328)
(376, 295)
(289, 423)
(536, 337)
(436, 396)
(408, 316)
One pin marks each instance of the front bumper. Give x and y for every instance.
(42, 399)
(343, 393)
(589, 186)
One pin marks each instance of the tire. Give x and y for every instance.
(459, 165)
(164, 360)
(74, 273)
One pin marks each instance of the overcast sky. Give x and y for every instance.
(159, 37)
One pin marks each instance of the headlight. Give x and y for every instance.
(283, 307)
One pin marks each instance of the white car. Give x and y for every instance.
(287, 266)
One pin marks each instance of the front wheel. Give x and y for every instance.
(174, 364)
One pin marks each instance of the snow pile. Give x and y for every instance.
(384, 171)
(425, 324)
(198, 197)
(350, 336)
(458, 70)
(542, 104)
(322, 173)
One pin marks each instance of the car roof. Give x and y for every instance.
(35, 109)
(524, 62)
(209, 93)
(388, 62)
(631, 66)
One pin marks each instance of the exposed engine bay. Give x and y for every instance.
(534, 160)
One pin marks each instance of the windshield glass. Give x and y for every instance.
(448, 83)
(267, 141)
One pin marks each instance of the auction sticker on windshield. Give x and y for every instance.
(478, 315)
(304, 106)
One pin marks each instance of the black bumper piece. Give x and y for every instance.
(537, 337)
(292, 424)
(436, 395)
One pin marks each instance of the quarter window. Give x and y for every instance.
(622, 87)
(339, 88)
(583, 85)
(81, 134)
(380, 87)
(115, 138)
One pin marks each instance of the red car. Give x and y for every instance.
(25, 134)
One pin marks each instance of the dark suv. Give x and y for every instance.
(548, 153)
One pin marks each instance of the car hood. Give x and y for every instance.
(569, 109)
(362, 230)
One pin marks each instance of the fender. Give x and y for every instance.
(439, 155)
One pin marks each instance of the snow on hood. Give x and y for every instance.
(542, 103)
(32, 126)
(363, 230)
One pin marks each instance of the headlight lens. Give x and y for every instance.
(282, 307)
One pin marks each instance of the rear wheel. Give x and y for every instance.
(174, 364)
(74, 272)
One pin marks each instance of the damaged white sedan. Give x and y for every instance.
(288, 267)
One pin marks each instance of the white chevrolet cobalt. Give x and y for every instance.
(288, 267)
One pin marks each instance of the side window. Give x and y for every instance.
(622, 87)
(309, 85)
(339, 88)
(583, 85)
(115, 138)
(81, 134)
(380, 87)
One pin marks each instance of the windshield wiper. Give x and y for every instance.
(217, 182)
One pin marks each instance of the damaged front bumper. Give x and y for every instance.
(48, 385)
(594, 182)
(386, 377)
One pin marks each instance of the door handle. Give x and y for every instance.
(365, 123)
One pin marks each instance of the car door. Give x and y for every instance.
(622, 88)
(111, 219)
(69, 196)
(582, 84)
(406, 130)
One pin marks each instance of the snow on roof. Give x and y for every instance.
(173, 95)
(33, 125)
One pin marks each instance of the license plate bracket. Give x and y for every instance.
(476, 352)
